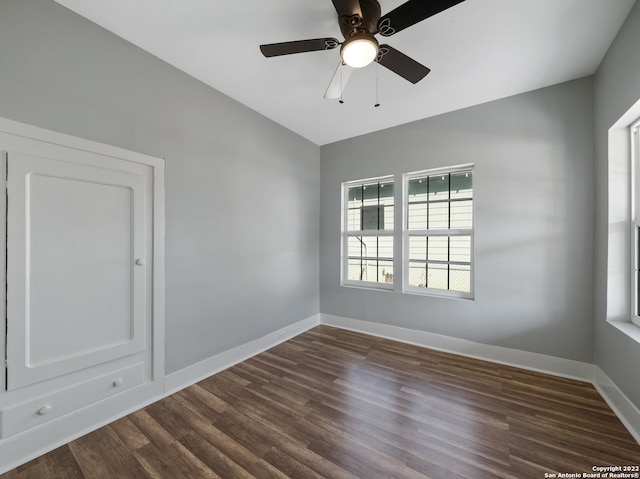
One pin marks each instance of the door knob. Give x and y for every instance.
(140, 262)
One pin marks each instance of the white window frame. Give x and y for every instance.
(635, 222)
(346, 234)
(407, 233)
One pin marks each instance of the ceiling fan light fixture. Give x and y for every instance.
(359, 50)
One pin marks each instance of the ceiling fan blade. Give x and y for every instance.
(410, 13)
(338, 82)
(399, 63)
(347, 8)
(300, 46)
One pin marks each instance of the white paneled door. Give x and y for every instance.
(77, 254)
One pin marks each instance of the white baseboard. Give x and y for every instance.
(511, 357)
(199, 371)
(620, 404)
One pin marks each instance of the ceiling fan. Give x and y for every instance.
(360, 21)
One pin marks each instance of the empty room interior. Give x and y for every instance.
(231, 250)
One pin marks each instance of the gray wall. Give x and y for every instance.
(617, 88)
(534, 200)
(242, 193)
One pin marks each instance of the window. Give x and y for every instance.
(438, 232)
(367, 233)
(437, 236)
(635, 223)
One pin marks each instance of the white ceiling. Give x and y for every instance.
(478, 51)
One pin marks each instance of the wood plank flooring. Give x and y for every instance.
(342, 405)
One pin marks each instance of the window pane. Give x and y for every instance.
(418, 247)
(369, 246)
(386, 193)
(371, 218)
(355, 247)
(353, 219)
(370, 270)
(460, 278)
(461, 185)
(355, 197)
(417, 189)
(370, 194)
(385, 272)
(439, 187)
(437, 276)
(387, 221)
(363, 246)
(438, 215)
(354, 270)
(438, 248)
(385, 247)
(417, 275)
(417, 217)
(461, 214)
(460, 248)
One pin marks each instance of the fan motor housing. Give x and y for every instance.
(368, 23)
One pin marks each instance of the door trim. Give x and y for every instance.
(3, 270)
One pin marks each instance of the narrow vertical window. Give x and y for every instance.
(635, 223)
(367, 233)
(438, 232)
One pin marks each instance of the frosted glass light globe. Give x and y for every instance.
(359, 52)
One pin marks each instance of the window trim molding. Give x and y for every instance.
(344, 237)
(406, 234)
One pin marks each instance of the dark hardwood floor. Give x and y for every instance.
(342, 405)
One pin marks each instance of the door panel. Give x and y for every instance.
(75, 295)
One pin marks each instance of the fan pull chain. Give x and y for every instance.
(377, 85)
(341, 88)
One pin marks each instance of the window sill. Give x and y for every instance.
(388, 287)
(628, 328)
(431, 293)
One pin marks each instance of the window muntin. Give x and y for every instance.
(368, 233)
(438, 232)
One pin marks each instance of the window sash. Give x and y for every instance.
(412, 264)
(409, 265)
(359, 216)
